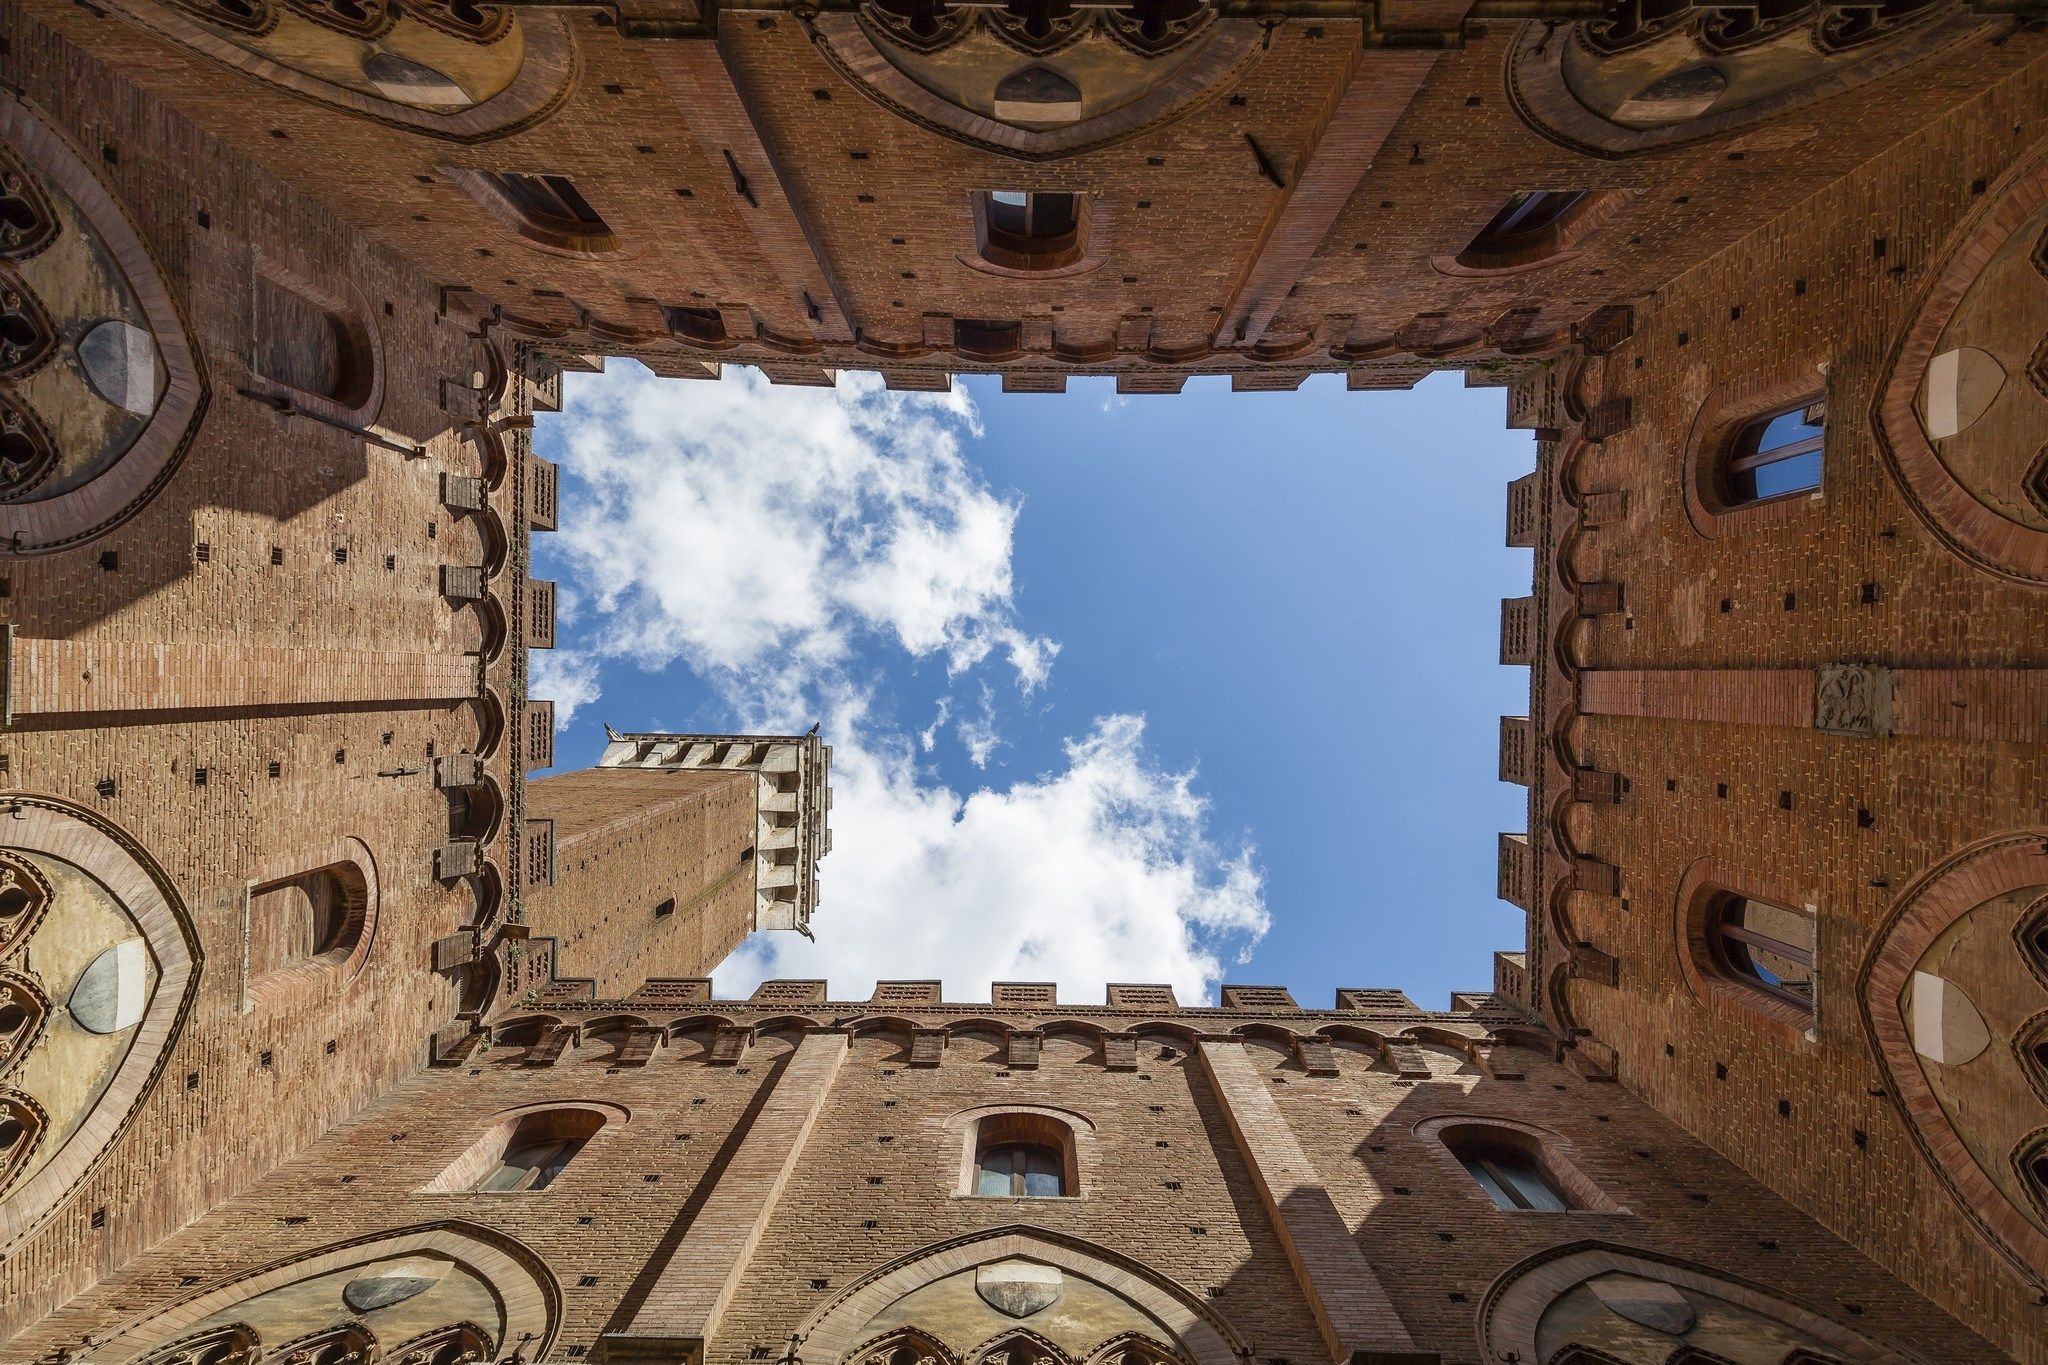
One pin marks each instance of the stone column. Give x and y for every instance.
(1356, 1316)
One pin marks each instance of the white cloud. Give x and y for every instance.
(568, 677)
(773, 539)
(978, 733)
(1102, 871)
(760, 534)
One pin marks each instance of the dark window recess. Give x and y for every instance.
(702, 325)
(1511, 1175)
(1777, 455)
(665, 909)
(1526, 227)
(547, 201)
(1030, 229)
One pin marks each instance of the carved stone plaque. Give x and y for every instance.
(1852, 699)
(1018, 1288)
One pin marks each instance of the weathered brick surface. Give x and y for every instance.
(1163, 1179)
(1702, 698)
(628, 842)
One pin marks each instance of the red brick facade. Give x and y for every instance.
(293, 959)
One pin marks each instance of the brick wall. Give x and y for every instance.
(628, 843)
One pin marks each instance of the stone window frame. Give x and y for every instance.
(1554, 1155)
(1208, 1338)
(1708, 880)
(362, 344)
(1728, 411)
(1510, 1314)
(541, 85)
(1977, 873)
(460, 1175)
(340, 966)
(1230, 48)
(1544, 100)
(119, 863)
(1076, 1138)
(1971, 532)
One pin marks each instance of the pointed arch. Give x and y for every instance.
(130, 1002)
(527, 1297)
(1206, 1338)
(1018, 1346)
(904, 1346)
(1133, 1348)
(1513, 1309)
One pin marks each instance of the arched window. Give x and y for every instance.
(538, 1148)
(1030, 229)
(315, 917)
(1765, 946)
(1776, 455)
(1531, 227)
(463, 1344)
(236, 1344)
(2032, 1163)
(1506, 1164)
(1024, 1156)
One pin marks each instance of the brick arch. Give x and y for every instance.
(1936, 900)
(114, 859)
(117, 492)
(1964, 526)
(1515, 1302)
(1228, 54)
(1205, 1339)
(546, 77)
(527, 1293)
(1544, 100)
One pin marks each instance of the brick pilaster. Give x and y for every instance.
(1357, 1318)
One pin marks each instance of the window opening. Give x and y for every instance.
(1027, 1169)
(1511, 1177)
(531, 1165)
(1766, 945)
(547, 201)
(1776, 455)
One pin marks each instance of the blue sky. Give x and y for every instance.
(1119, 689)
